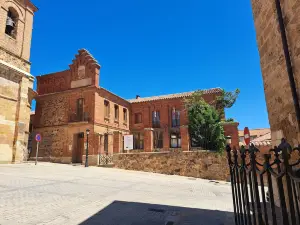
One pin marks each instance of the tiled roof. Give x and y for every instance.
(256, 132)
(263, 140)
(170, 96)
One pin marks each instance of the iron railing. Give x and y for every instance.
(84, 117)
(265, 187)
(105, 159)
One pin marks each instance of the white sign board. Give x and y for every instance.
(128, 142)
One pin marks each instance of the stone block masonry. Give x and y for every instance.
(278, 93)
(16, 82)
(206, 165)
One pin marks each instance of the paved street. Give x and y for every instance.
(65, 194)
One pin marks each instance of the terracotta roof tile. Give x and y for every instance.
(256, 132)
(263, 140)
(171, 96)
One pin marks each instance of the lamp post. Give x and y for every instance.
(87, 148)
(228, 140)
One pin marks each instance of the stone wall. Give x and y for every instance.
(278, 94)
(206, 165)
(14, 114)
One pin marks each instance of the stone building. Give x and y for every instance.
(71, 101)
(280, 64)
(16, 82)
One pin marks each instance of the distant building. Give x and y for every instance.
(261, 138)
(16, 82)
(71, 101)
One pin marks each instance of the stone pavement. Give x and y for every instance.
(65, 194)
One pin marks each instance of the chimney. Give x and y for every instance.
(137, 97)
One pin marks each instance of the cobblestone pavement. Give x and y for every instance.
(65, 194)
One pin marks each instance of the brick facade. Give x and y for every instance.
(16, 82)
(278, 93)
(71, 101)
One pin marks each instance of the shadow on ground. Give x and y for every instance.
(133, 213)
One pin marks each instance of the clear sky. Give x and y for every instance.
(157, 47)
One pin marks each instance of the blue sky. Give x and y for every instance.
(157, 47)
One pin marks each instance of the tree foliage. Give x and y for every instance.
(227, 99)
(204, 124)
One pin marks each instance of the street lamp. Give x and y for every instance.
(87, 148)
(228, 140)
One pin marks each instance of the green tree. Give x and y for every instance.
(204, 124)
(226, 100)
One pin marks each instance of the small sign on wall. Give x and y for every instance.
(128, 142)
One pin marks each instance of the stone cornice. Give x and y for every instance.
(19, 71)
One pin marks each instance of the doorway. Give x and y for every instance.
(78, 148)
(106, 144)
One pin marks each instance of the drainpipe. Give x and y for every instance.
(288, 61)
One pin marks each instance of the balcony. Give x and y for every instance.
(155, 124)
(78, 118)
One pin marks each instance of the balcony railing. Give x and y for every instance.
(155, 124)
(84, 117)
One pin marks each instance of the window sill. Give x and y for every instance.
(10, 37)
(125, 123)
(106, 118)
(116, 120)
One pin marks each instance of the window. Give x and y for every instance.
(175, 118)
(138, 141)
(137, 118)
(79, 109)
(11, 23)
(125, 115)
(175, 140)
(106, 108)
(158, 139)
(116, 112)
(155, 119)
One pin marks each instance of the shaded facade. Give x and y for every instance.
(71, 101)
(16, 82)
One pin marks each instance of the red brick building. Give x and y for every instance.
(71, 101)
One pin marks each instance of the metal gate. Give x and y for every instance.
(105, 158)
(265, 187)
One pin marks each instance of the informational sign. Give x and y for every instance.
(247, 135)
(128, 142)
(38, 137)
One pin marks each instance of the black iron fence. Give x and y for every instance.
(265, 187)
(105, 159)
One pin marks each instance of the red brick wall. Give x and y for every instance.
(62, 81)
(92, 68)
(56, 109)
(231, 129)
(121, 124)
(165, 108)
(55, 82)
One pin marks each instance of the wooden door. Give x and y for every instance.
(78, 143)
(80, 147)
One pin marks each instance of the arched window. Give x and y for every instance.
(11, 22)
